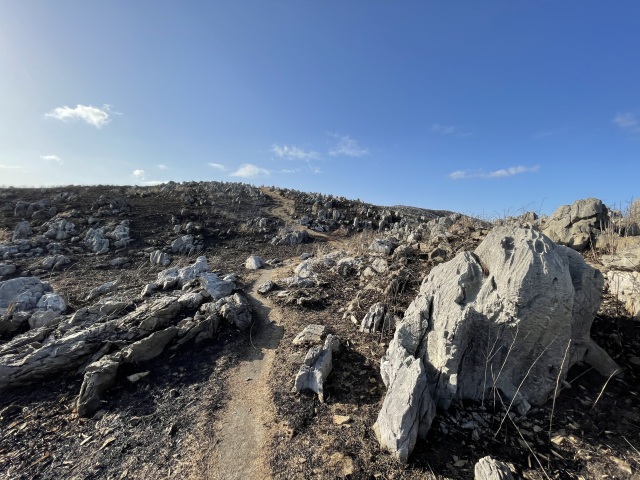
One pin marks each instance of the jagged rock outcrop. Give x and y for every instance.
(158, 257)
(378, 319)
(316, 367)
(503, 317)
(289, 237)
(578, 224)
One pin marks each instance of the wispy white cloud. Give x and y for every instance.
(218, 166)
(444, 129)
(52, 159)
(548, 133)
(139, 174)
(347, 146)
(98, 117)
(501, 173)
(152, 183)
(627, 121)
(9, 167)
(162, 167)
(293, 153)
(290, 170)
(249, 171)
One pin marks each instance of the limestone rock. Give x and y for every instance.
(289, 237)
(489, 469)
(266, 287)
(158, 257)
(311, 335)
(101, 290)
(577, 225)
(21, 294)
(384, 246)
(254, 262)
(149, 347)
(316, 368)
(515, 306)
(98, 378)
(22, 230)
(6, 269)
(236, 310)
(377, 319)
(626, 258)
(407, 410)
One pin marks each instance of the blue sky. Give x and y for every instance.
(487, 108)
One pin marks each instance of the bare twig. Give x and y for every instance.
(555, 392)
(603, 387)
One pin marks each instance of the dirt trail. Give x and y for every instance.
(242, 432)
(243, 428)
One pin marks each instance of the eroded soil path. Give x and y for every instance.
(242, 431)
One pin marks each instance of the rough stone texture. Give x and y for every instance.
(175, 276)
(21, 294)
(626, 287)
(291, 238)
(577, 225)
(158, 257)
(311, 335)
(101, 290)
(22, 230)
(95, 240)
(316, 367)
(254, 262)
(384, 246)
(215, 286)
(407, 410)
(377, 319)
(501, 317)
(149, 347)
(489, 469)
(266, 287)
(98, 378)
(236, 310)
(626, 258)
(6, 269)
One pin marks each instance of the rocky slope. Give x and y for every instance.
(160, 332)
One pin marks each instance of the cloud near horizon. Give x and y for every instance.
(9, 167)
(162, 166)
(347, 146)
(627, 121)
(87, 113)
(52, 159)
(250, 171)
(501, 173)
(138, 173)
(217, 166)
(293, 153)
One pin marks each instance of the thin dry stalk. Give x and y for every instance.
(513, 398)
(555, 392)
(603, 387)
(544, 472)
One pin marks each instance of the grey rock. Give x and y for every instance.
(266, 287)
(22, 230)
(158, 257)
(96, 241)
(177, 277)
(311, 335)
(149, 347)
(407, 410)
(21, 294)
(254, 262)
(625, 258)
(514, 306)
(291, 238)
(377, 319)
(384, 246)
(576, 225)
(55, 262)
(489, 469)
(215, 286)
(6, 269)
(98, 378)
(317, 365)
(236, 310)
(102, 290)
